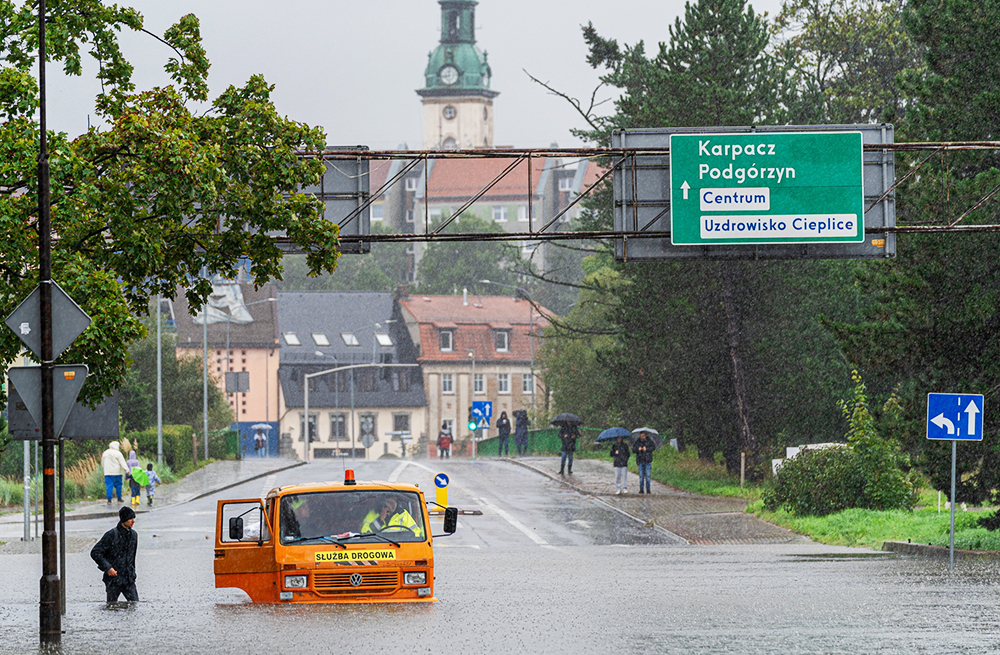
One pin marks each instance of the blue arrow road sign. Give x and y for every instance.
(955, 416)
(440, 480)
(482, 410)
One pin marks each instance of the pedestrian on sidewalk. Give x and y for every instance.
(568, 434)
(521, 424)
(620, 454)
(503, 434)
(644, 459)
(444, 442)
(154, 480)
(115, 466)
(260, 443)
(133, 485)
(115, 556)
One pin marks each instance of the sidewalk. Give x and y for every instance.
(207, 480)
(695, 518)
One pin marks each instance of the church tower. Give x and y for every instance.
(457, 100)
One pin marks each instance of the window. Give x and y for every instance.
(434, 214)
(291, 339)
(446, 338)
(501, 339)
(400, 423)
(366, 380)
(312, 427)
(447, 383)
(383, 339)
(409, 215)
(400, 380)
(377, 212)
(449, 112)
(367, 425)
(450, 144)
(449, 424)
(522, 212)
(503, 382)
(499, 213)
(349, 339)
(479, 383)
(527, 383)
(411, 184)
(320, 339)
(566, 184)
(338, 427)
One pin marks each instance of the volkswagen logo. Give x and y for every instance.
(356, 579)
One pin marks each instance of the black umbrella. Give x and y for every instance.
(651, 434)
(566, 419)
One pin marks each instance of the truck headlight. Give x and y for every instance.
(414, 577)
(295, 582)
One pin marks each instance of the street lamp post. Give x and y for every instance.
(531, 332)
(472, 398)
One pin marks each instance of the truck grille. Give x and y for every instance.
(372, 582)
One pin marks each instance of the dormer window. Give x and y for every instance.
(349, 339)
(446, 340)
(501, 339)
(291, 339)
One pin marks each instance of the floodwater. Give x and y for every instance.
(543, 570)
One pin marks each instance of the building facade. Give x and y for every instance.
(473, 348)
(374, 405)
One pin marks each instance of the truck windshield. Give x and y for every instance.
(352, 516)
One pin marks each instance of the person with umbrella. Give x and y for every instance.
(503, 430)
(521, 431)
(644, 448)
(568, 435)
(620, 454)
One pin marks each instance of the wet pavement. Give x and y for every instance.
(544, 568)
(696, 519)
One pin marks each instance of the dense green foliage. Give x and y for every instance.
(868, 472)
(170, 189)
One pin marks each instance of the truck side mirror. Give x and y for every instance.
(450, 520)
(236, 528)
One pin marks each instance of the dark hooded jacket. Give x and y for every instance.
(620, 453)
(116, 550)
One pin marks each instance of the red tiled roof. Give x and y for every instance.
(464, 178)
(475, 324)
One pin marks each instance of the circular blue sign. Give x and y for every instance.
(440, 480)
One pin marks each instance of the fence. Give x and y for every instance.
(540, 442)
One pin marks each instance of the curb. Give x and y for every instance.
(938, 552)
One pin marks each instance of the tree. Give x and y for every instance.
(935, 312)
(156, 199)
(181, 387)
(448, 266)
(842, 60)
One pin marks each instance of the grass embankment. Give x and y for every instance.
(870, 529)
(84, 480)
(685, 471)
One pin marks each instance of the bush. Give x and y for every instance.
(869, 472)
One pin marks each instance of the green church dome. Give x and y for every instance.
(457, 66)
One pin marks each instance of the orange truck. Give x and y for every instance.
(329, 542)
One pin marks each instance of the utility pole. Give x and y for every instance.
(50, 614)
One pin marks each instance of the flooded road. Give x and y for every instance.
(543, 569)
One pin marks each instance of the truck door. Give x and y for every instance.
(244, 549)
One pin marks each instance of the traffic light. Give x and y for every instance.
(473, 423)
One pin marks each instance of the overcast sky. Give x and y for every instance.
(353, 66)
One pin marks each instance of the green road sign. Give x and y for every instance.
(766, 187)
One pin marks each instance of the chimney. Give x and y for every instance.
(465, 297)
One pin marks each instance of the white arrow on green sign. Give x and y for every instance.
(766, 187)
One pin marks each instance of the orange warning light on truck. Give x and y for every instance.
(350, 542)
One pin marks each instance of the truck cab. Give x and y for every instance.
(329, 542)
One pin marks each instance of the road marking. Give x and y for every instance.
(476, 546)
(394, 476)
(268, 485)
(199, 513)
(528, 532)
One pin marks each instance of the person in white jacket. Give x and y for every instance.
(114, 467)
